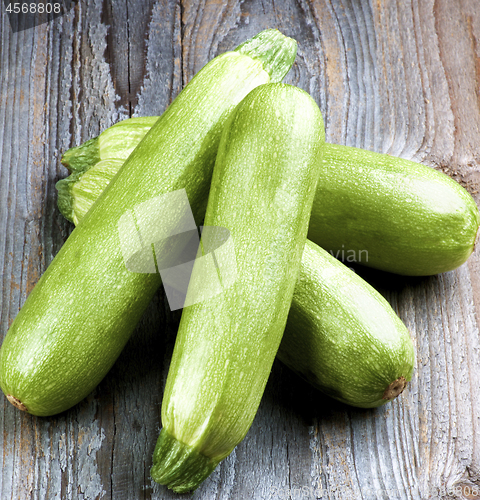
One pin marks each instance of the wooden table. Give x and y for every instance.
(401, 77)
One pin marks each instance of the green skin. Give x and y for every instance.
(382, 211)
(262, 191)
(309, 351)
(342, 335)
(412, 219)
(79, 316)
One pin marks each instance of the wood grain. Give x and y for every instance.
(395, 77)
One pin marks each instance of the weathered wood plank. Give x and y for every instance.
(397, 77)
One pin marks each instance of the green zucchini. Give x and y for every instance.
(262, 192)
(80, 314)
(392, 214)
(373, 340)
(335, 315)
(379, 210)
(343, 337)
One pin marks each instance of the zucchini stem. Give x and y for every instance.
(16, 402)
(395, 388)
(274, 50)
(76, 158)
(179, 465)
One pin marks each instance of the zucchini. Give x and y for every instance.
(336, 320)
(392, 214)
(262, 192)
(382, 211)
(343, 337)
(80, 314)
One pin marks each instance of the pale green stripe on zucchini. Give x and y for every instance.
(262, 192)
(80, 314)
